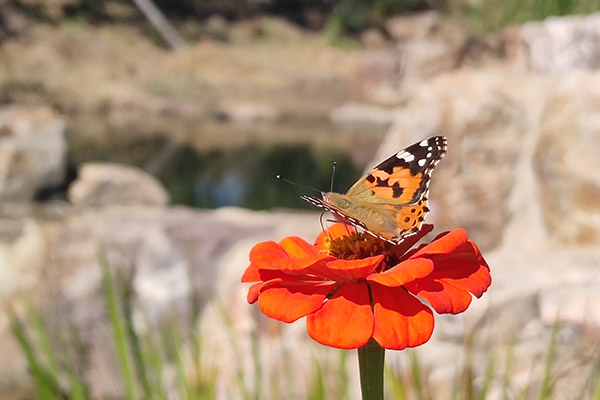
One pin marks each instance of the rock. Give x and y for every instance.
(356, 114)
(33, 150)
(373, 39)
(561, 44)
(381, 70)
(424, 59)
(112, 184)
(242, 113)
(511, 161)
(21, 255)
(216, 27)
(415, 26)
(388, 76)
(566, 160)
(169, 256)
(557, 44)
(52, 9)
(266, 27)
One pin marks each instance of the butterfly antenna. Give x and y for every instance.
(281, 178)
(332, 176)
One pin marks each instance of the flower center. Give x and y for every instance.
(357, 246)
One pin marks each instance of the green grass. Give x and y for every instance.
(175, 348)
(490, 15)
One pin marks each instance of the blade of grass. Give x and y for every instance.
(597, 391)
(490, 371)
(42, 338)
(175, 338)
(318, 384)
(546, 386)
(125, 288)
(153, 356)
(395, 384)
(78, 390)
(508, 372)
(117, 323)
(342, 376)
(46, 384)
(258, 371)
(235, 345)
(287, 369)
(417, 376)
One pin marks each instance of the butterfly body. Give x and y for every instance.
(390, 201)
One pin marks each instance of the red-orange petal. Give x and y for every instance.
(443, 297)
(350, 269)
(335, 231)
(256, 289)
(411, 240)
(253, 292)
(251, 274)
(267, 255)
(288, 301)
(345, 321)
(406, 271)
(297, 247)
(444, 243)
(401, 320)
(466, 275)
(271, 256)
(289, 270)
(448, 289)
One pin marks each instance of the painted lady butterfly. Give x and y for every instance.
(390, 202)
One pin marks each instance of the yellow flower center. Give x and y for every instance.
(357, 246)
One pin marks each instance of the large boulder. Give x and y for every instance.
(561, 44)
(105, 184)
(521, 164)
(33, 149)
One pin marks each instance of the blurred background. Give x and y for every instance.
(139, 144)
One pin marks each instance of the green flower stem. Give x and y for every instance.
(370, 365)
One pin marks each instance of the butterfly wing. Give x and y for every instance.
(404, 177)
(390, 201)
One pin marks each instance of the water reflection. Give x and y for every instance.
(246, 177)
(230, 190)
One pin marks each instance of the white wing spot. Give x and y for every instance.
(424, 143)
(428, 155)
(403, 155)
(421, 162)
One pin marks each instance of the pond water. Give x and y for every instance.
(243, 176)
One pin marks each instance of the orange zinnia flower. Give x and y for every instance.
(353, 287)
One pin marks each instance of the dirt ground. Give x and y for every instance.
(115, 81)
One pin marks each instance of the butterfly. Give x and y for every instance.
(390, 201)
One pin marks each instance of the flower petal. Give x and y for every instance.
(256, 289)
(335, 231)
(346, 270)
(401, 320)
(406, 271)
(345, 321)
(296, 258)
(253, 292)
(443, 297)
(445, 243)
(288, 301)
(457, 274)
(410, 241)
(267, 255)
(251, 274)
(297, 247)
